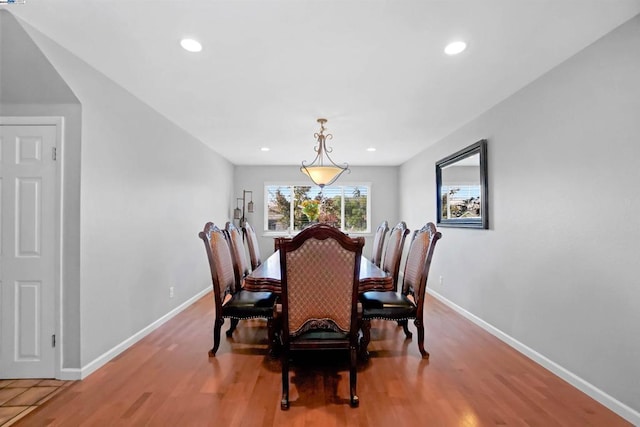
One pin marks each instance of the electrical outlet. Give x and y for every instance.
(171, 292)
(441, 280)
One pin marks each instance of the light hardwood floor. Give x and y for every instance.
(472, 379)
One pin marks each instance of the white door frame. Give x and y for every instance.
(58, 122)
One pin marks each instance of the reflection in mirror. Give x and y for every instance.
(462, 188)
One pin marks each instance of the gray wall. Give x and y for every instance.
(557, 270)
(146, 189)
(27, 77)
(384, 193)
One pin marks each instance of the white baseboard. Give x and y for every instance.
(69, 374)
(78, 374)
(589, 389)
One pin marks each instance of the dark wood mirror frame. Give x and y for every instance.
(480, 220)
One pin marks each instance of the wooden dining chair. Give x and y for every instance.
(378, 243)
(252, 244)
(230, 300)
(393, 252)
(320, 274)
(408, 303)
(240, 264)
(238, 252)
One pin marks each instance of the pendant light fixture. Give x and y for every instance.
(323, 171)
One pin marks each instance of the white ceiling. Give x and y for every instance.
(375, 69)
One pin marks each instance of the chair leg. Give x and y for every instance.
(353, 377)
(232, 326)
(405, 326)
(217, 326)
(273, 341)
(420, 328)
(366, 338)
(284, 403)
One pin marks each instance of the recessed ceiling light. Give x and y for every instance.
(455, 48)
(372, 149)
(265, 149)
(191, 45)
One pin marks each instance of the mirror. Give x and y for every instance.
(462, 193)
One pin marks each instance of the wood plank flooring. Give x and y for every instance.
(472, 379)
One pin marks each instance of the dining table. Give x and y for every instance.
(266, 277)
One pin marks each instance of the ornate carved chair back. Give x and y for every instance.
(252, 244)
(378, 243)
(220, 263)
(393, 252)
(240, 264)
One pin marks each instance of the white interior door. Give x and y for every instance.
(27, 250)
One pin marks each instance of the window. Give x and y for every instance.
(290, 208)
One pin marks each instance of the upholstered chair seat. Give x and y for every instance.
(389, 305)
(248, 305)
(326, 336)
